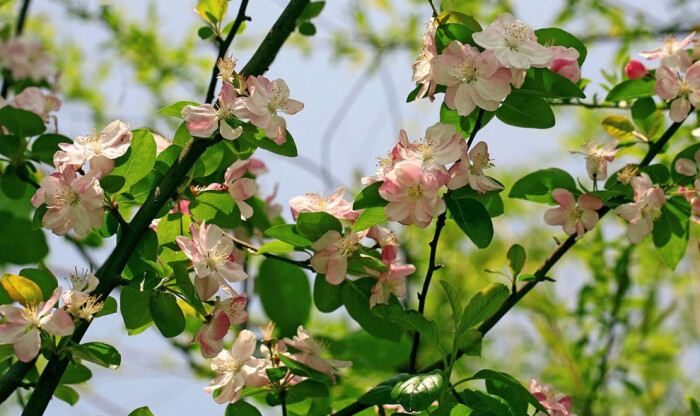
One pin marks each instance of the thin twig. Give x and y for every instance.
(304, 264)
(432, 6)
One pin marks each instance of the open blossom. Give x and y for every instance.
(422, 65)
(470, 170)
(332, 254)
(211, 253)
(100, 150)
(23, 325)
(78, 296)
(240, 188)
(556, 404)
(334, 204)
(386, 239)
(227, 69)
(514, 43)
(203, 120)
(689, 167)
(597, 158)
(236, 368)
(565, 63)
(267, 98)
(226, 313)
(641, 213)
(670, 85)
(576, 217)
(310, 353)
(441, 145)
(635, 69)
(386, 164)
(390, 282)
(26, 59)
(73, 202)
(34, 100)
(473, 79)
(672, 53)
(412, 195)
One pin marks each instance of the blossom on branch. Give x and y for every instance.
(332, 254)
(556, 404)
(641, 213)
(422, 66)
(310, 353)
(565, 63)
(672, 53)
(334, 204)
(684, 91)
(204, 120)
(597, 158)
(412, 195)
(34, 100)
(266, 99)
(470, 170)
(576, 217)
(240, 188)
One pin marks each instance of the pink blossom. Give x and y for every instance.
(565, 63)
(387, 163)
(575, 217)
(556, 404)
(473, 79)
(34, 100)
(597, 158)
(688, 167)
(693, 197)
(514, 43)
(332, 254)
(257, 167)
(204, 120)
(162, 143)
(236, 368)
(390, 282)
(386, 239)
(441, 145)
(334, 204)
(672, 53)
(210, 336)
(240, 188)
(423, 64)
(310, 353)
(641, 213)
(670, 85)
(635, 69)
(412, 195)
(26, 59)
(23, 326)
(265, 100)
(470, 170)
(211, 253)
(73, 202)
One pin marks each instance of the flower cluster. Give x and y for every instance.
(238, 367)
(641, 213)
(556, 404)
(264, 100)
(26, 59)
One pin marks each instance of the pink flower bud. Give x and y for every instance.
(635, 69)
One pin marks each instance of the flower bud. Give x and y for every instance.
(635, 69)
(267, 331)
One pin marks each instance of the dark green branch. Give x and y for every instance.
(13, 378)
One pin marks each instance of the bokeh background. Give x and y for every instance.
(618, 331)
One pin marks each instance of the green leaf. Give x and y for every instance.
(647, 117)
(134, 165)
(67, 394)
(209, 162)
(553, 36)
(12, 185)
(46, 145)
(285, 294)
(694, 407)
(546, 83)
(455, 301)
(308, 388)
(204, 33)
(98, 353)
(21, 289)
(515, 387)
(276, 247)
(142, 411)
(619, 127)
(134, 308)
(45, 280)
(216, 207)
(471, 216)
(171, 226)
(356, 299)
(672, 230)
(110, 307)
(276, 373)
(632, 89)
(212, 11)
(303, 370)
(491, 200)
(327, 297)
(418, 392)
(289, 234)
(21, 123)
(470, 342)
(11, 146)
(449, 32)
(257, 137)
(29, 249)
(182, 279)
(76, 374)
(516, 259)
(369, 218)
(369, 197)
(687, 153)
(381, 393)
(523, 110)
(307, 29)
(486, 404)
(411, 320)
(482, 305)
(311, 10)
(166, 314)
(313, 225)
(241, 408)
(538, 186)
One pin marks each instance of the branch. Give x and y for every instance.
(109, 274)
(304, 264)
(540, 275)
(223, 47)
(13, 378)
